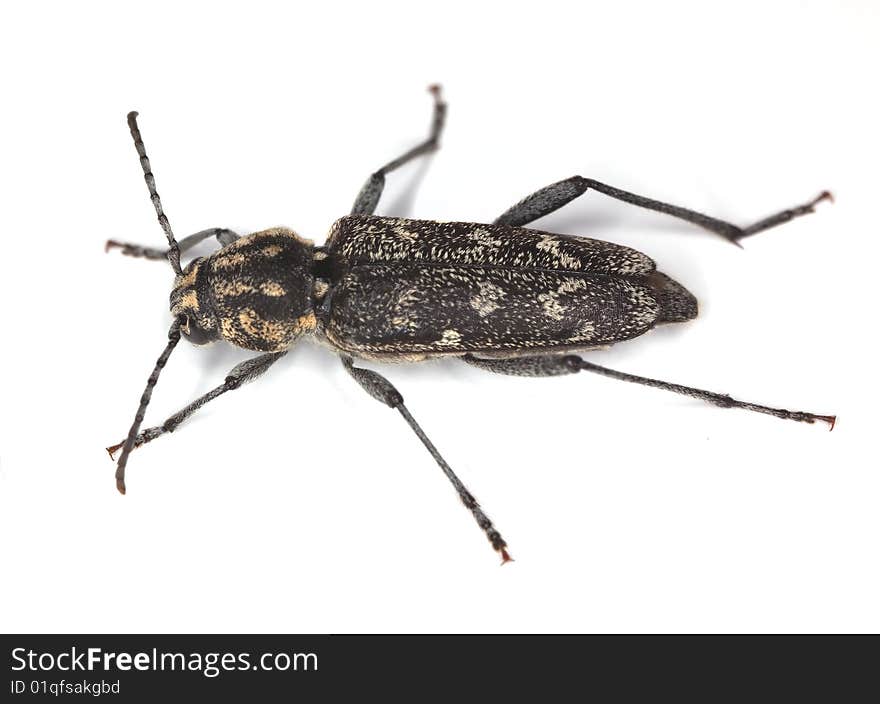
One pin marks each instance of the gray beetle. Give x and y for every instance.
(500, 297)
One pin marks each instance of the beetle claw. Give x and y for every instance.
(824, 195)
(831, 420)
(113, 449)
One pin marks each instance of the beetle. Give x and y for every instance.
(499, 296)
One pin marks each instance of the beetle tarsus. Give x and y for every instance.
(824, 195)
(113, 449)
(737, 233)
(505, 557)
(129, 250)
(831, 420)
(137, 251)
(808, 417)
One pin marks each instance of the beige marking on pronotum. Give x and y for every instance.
(228, 260)
(189, 278)
(272, 288)
(249, 321)
(271, 331)
(306, 323)
(189, 301)
(232, 288)
(264, 234)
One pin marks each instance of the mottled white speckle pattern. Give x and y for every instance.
(488, 299)
(449, 337)
(370, 238)
(553, 309)
(414, 287)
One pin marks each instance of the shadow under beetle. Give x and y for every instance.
(501, 297)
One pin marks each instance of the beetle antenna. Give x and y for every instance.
(174, 248)
(173, 339)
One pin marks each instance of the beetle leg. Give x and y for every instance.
(382, 390)
(555, 365)
(240, 374)
(553, 197)
(223, 236)
(368, 198)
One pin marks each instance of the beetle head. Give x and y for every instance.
(190, 302)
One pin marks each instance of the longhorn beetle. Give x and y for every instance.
(498, 296)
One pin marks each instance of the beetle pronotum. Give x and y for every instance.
(503, 298)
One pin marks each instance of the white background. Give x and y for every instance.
(301, 504)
